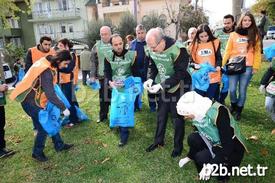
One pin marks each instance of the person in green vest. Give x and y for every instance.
(217, 139)
(168, 77)
(119, 64)
(97, 71)
(3, 88)
(223, 36)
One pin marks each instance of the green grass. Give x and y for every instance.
(96, 157)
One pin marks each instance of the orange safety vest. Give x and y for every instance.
(31, 81)
(240, 44)
(37, 54)
(66, 78)
(205, 52)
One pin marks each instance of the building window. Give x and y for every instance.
(71, 28)
(13, 23)
(1, 43)
(16, 41)
(63, 29)
(63, 4)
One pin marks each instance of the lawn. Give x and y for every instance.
(97, 158)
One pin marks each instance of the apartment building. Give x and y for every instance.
(59, 18)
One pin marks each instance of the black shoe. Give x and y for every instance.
(65, 147)
(6, 153)
(153, 147)
(175, 154)
(121, 144)
(41, 158)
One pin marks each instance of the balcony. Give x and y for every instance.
(69, 35)
(115, 6)
(11, 32)
(55, 15)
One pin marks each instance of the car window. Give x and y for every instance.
(6, 68)
(271, 28)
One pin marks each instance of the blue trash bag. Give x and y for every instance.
(21, 74)
(225, 81)
(200, 78)
(93, 85)
(50, 120)
(61, 96)
(80, 115)
(122, 103)
(269, 52)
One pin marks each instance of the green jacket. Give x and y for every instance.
(85, 60)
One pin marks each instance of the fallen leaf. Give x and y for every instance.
(106, 159)
(273, 132)
(100, 180)
(253, 137)
(264, 152)
(104, 145)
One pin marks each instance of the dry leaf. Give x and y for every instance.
(106, 159)
(273, 132)
(264, 152)
(253, 137)
(104, 145)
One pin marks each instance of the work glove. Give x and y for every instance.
(155, 88)
(262, 89)
(66, 112)
(147, 84)
(184, 161)
(206, 171)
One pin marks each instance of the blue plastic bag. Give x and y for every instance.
(225, 81)
(200, 78)
(80, 115)
(122, 103)
(269, 52)
(61, 96)
(50, 120)
(21, 74)
(76, 88)
(93, 85)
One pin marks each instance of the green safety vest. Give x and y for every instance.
(102, 48)
(223, 37)
(164, 62)
(2, 97)
(121, 67)
(209, 129)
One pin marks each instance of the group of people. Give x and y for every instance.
(163, 64)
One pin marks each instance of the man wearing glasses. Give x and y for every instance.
(168, 77)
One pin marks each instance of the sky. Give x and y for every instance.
(216, 9)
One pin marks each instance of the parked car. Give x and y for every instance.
(8, 73)
(270, 32)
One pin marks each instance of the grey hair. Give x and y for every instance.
(140, 27)
(157, 32)
(106, 27)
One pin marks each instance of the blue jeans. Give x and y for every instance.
(241, 81)
(40, 139)
(212, 91)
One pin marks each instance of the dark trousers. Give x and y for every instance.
(40, 138)
(167, 103)
(200, 153)
(2, 127)
(212, 91)
(222, 97)
(104, 99)
(124, 134)
(84, 76)
(152, 100)
(69, 92)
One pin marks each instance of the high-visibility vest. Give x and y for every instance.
(205, 52)
(37, 54)
(32, 81)
(66, 78)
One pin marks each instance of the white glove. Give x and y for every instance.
(147, 84)
(66, 112)
(184, 161)
(262, 89)
(155, 88)
(206, 171)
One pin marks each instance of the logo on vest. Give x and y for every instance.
(242, 40)
(205, 52)
(162, 72)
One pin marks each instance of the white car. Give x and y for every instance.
(270, 32)
(7, 73)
